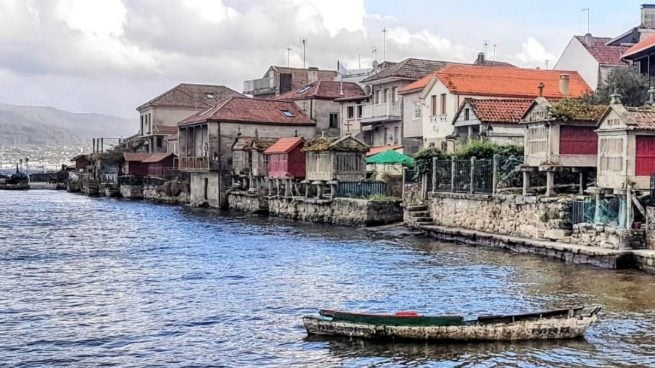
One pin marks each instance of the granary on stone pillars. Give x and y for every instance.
(560, 138)
(286, 165)
(626, 149)
(330, 160)
(250, 163)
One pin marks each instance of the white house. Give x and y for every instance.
(591, 57)
(445, 90)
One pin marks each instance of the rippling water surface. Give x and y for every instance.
(90, 282)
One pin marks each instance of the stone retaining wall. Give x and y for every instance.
(247, 202)
(340, 211)
(527, 217)
(131, 191)
(596, 235)
(155, 193)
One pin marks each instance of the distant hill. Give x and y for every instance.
(35, 125)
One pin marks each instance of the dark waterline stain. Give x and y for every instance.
(102, 282)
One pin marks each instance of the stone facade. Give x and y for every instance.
(131, 191)
(602, 236)
(340, 211)
(246, 202)
(162, 193)
(528, 217)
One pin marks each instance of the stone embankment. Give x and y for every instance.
(530, 225)
(339, 211)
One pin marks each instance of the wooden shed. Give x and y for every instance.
(157, 164)
(342, 159)
(133, 163)
(560, 136)
(286, 159)
(626, 151)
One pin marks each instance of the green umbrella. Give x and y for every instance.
(391, 157)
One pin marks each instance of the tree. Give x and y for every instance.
(630, 84)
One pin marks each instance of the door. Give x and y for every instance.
(578, 140)
(645, 160)
(285, 82)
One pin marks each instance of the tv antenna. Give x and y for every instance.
(384, 44)
(588, 10)
(304, 50)
(288, 57)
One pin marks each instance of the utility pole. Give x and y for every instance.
(588, 10)
(384, 44)
(288, 56)
(304, 50)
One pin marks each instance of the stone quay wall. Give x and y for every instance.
(247, 202)
(526, 217)
(131, 191)
(155, 192)
(340, 211)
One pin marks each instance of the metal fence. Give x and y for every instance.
(360, 189)
(475, 175)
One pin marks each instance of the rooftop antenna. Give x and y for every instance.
(494, 59)
(587, 9)
(384, 44)
(485, 44)
(547, 64)
(288, 56)
(304, 50)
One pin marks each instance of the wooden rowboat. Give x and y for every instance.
(556, 324)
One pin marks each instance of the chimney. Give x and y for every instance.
(312, 74)
(587, 39)
(648, 16)
(480, 59)
(564, 84)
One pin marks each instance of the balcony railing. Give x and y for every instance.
(194, 163)
(382, 111)
(255, 86)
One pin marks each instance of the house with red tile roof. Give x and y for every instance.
(279, 80)
(442, 93)
(206, 139)
(626, 148)
(591, 57)
(494, 119)
(634, 35)
(158, 117)
(322, 101)
(642, 55)
(383, 114)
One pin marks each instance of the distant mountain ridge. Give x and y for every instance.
(37, 125)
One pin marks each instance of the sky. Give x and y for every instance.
(110, 56)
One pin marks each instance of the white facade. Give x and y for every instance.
(498, 133)
(576, 57)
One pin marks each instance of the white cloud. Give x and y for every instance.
(534, 53)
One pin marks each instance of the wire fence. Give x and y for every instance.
(475, 175)
(360, 189)
(605, 211)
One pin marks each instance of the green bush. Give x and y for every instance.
(424, 159)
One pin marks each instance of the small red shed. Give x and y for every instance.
(286, 160)
(157, 163)
(133, 163)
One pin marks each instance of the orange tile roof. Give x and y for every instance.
(643, 45)
(135, 156)
(417, 85)
(497, 81)
(497, 110)
(375, 150)
(325, 89)
(284, 145)
(644, 118)
(252, 110)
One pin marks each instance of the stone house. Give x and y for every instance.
(279, 80)
(351, 110)
(626, 150)
(159, 116)
(496, 120)
(638, 33)
(147, 164)
(318, 100)
(382, 119)
(340, 159)
(443, 92)
(560, 136)
(591, 57)
(206, 140)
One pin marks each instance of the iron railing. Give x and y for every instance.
(474, 175)
(360, 189)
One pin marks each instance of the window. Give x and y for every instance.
(434, 104)
(359, 111)
(351, 112)
(417, 110)
(287, 113)
(377, 96)
(334, 120)
(159, 141)
(466, 114)
(394, 92)
(443, 104)
(384, 95)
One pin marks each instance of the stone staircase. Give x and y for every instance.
(417, 216)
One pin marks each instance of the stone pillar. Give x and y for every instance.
(452, 173)
(581, 182)
(550, 183)
(597, 209)
(277, 187)
(471, 176)
(526, 182)
(287, 188)
(319, 188)
(434, 174)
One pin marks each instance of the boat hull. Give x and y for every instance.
(541, 329)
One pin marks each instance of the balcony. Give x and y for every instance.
(197, 164)
(259, 86)
(390, 111)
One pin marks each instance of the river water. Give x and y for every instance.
(102, 282)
